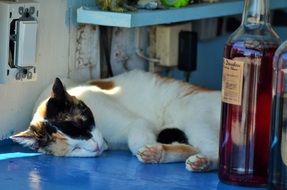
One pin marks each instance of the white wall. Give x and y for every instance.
(54, 50)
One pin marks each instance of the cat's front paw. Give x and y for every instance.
(197, 163)
(151, 153)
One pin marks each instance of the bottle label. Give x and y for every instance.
(232, 80)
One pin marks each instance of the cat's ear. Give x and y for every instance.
(58, 90)
(26, 138)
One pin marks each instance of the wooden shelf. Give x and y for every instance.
(92, 15)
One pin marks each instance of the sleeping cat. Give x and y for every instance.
(159, 120)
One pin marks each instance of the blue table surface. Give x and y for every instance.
(24, 169)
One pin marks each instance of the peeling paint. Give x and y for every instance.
(86, 46)
(123, 50)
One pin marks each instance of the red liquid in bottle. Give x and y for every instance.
(245, 128)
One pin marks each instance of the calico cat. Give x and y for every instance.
(159, 120)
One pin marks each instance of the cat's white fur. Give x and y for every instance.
(140, 105)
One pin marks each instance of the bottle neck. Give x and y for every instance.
(256, 13)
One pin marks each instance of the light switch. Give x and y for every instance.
(26, 43)
(18, 36)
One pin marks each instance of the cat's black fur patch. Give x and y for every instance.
(73, 129)
(55, 106)
(170, 135)
(73, 118)
(66, 118)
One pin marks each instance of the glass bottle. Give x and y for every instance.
(278, 152)
(246, 98)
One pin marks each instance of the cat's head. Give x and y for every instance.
(63, 126)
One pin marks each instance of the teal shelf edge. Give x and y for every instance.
(92, 15)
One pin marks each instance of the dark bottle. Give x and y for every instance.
(278, 153)
(246, 98)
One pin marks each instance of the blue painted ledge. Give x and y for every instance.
(92, 15)
(23, 169)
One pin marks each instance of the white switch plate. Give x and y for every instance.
(26, 46)
(17, 62)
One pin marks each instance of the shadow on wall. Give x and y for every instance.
(209, 61)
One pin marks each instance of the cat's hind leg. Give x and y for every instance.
(205, 160)
(141, 134)
(142, 141)
(165, 153)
